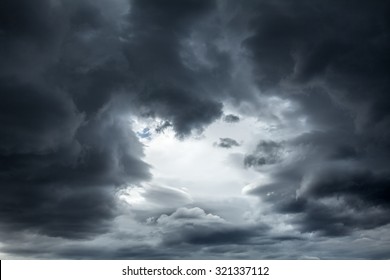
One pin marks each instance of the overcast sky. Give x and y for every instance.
(194, 129)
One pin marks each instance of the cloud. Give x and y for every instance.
(331, 174)
(231, 118)
(227, 143)
(74, 75)
(324, 66)
(371, 187)
(69, 190)
(69, 77)
(195, 226)
(155, 197)
(166, 87)
(63, 153)
(267, 152)
(162, 127)
(326, 184)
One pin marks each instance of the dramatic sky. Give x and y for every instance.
(194, 129)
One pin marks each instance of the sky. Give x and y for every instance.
(194, 129)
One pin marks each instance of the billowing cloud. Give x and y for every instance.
(331, 175)
(327, 183)
(61, 159)
(105, 110)
(70, 72)
(66, 187)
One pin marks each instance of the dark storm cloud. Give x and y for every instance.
(330, 58)
(373, 188)
(67, 189)
(70, 71)
(227, 143)
(30, 35)
(328, 183)
(231, 118)
(166, 86)
(185, 111)
(340, 57)
(337, 200)
(289, 48)
(137, 53)
(35, 119)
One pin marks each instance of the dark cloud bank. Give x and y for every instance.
(71, 73)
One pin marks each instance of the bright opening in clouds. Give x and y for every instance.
(194, 129)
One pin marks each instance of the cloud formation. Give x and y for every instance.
(65, 139)
(194, 226)
(231, 118)
(307, 82)
(227, 143)
(333, 177)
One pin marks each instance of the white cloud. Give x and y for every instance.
(151, 196)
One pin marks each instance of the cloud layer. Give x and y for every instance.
(295, 93)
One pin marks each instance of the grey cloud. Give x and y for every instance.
(72, 73)
(30, 33)
(364, 184)
(65, 146)
(267, 152)
(61, 161)
(372, 244)
(185, 111)
(167, 196)
(231, 118)
(227, 143)
(166, 86)
(195, 226)
(138, 55)
(324, 66)
(148, 199)
(327, 185)
(161, 128)
(36, 119)
(287, 47)
(334, 177)
(340, 216)
(73, 186)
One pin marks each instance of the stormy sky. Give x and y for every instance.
(194, 129)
